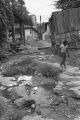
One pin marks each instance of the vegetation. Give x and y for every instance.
(8, 10)
(9, 112)
(4, 21)
(29, 66)
(19, 10)
(67, 4)
(49, 70)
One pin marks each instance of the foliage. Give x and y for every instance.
(8, 10)
(3, 21)
(30, 66)
(20, 11)
(27, 66)
(49, 70)
(67, 4)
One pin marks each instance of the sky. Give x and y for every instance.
(41, 7)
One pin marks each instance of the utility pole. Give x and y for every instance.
(40, 28)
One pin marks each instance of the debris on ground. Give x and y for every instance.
(40, 89)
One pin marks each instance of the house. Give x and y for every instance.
(46, 34)
(65, 24)
(30, 33)
(17, 31)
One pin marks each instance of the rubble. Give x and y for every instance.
(24, 88)
(35, 118)
(25, 80)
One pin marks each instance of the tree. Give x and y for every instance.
(5, 20)
(7, 10)
(67, 4)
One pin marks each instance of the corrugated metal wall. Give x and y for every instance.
(66, 21)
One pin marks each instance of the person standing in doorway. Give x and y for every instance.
(64, 53)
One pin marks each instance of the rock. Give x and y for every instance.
(74, 83)
(19, 102)
(76, 90)
(40, 96)
(42, 53)
(3, 99)
(23, 103)
(7, 81)
(2, 88)
(14, 94)
(35, 118)
(66, 78)
(59, 86)
(21, 91)
(34, 90)
(25, 79)
(72, 71)
(38, 110)
(78, 118)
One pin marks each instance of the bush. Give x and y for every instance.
(27, 66)
(25, 61)
(49, 71)
(15, 70)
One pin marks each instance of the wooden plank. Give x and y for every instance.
(78, 14)
(55, 22)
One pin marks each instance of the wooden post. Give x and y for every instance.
(23, 33)
(7, 37)
(20, 33)
(13, 33)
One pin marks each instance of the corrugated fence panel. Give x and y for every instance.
(55, 22)
(73, 19)
(67, 20)
(59, 22)
(78, 14)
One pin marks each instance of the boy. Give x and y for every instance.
(64, 53)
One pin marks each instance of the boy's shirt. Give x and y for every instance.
(63, 48)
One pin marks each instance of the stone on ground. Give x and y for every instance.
(35, 118)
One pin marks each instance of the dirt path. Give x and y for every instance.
(56, 103)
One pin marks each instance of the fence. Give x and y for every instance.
(66, 20)
(65, 23)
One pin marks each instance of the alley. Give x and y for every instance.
(57, 99)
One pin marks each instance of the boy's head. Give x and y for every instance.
(65, 42)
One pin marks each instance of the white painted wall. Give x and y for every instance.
(46, 34)
(30, 34)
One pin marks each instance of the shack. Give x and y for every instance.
(65, 24)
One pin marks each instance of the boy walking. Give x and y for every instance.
(64, 53)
